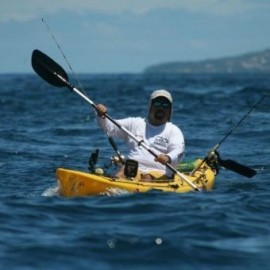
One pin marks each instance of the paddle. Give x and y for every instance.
(54, 74)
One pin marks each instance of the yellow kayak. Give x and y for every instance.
(74, 183)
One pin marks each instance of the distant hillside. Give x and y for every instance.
(258, 62)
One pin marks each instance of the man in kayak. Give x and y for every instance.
(157, 132)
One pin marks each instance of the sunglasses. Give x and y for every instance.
(159, 104)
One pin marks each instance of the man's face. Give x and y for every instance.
(160, 111)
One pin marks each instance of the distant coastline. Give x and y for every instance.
(255, 62)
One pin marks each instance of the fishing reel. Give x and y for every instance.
(213, 160)
(116, 160)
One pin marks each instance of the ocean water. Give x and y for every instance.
(43, 127)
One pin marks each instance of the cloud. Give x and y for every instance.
(17, 10)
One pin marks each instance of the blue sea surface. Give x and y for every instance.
(43, 127)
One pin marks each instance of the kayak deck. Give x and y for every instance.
(74, 183)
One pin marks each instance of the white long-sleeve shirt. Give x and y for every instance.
(165, 139)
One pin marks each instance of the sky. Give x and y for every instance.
(127, 36)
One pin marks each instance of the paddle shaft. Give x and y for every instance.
(140, 143)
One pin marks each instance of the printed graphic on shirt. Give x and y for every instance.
(161, 141)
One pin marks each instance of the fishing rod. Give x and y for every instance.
(229, 164)
(115, 148)
(80, 84)
(63, 54)
(240, 121)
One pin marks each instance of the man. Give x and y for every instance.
(157, 132)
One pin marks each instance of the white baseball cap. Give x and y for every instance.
(161, 93)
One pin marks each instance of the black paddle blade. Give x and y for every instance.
(48, 69)
(237, 167)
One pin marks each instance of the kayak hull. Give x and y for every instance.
(74, 183)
